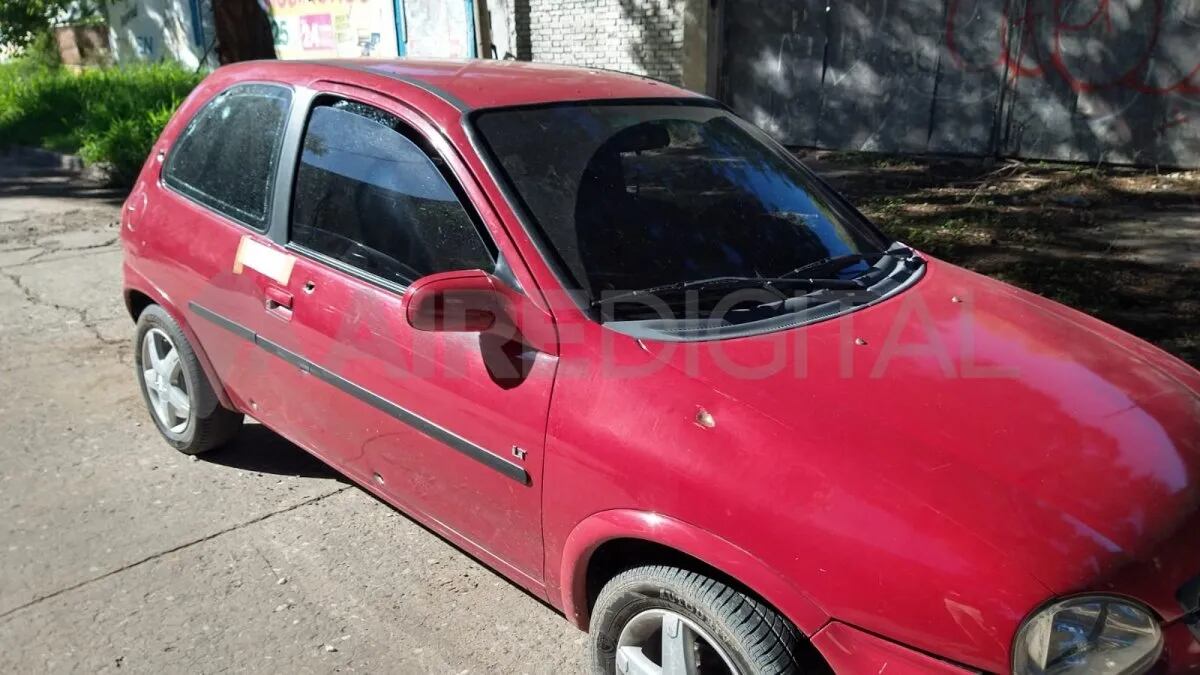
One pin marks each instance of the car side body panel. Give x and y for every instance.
(178, 252)
(134, 281)
(871, 521)
(849, 544)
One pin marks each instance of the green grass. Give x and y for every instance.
(110, 115)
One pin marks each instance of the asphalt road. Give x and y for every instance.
(117, 553)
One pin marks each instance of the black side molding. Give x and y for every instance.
(430, 429)
(231, 326)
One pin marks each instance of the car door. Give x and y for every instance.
(450, 426)
(211, 204)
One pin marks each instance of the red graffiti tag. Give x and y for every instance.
(1046, 33)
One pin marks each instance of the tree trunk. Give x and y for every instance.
(243, 31)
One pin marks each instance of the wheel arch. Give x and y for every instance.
(590, 549)
(139, 294)
(136, 301)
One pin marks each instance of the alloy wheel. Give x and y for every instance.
(165, 384)
(662, 642)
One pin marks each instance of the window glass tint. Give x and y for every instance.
(226, 157)
(638, 195)
(370, 197)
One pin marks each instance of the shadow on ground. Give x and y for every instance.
(57, 183)
(1121, 244)
(260, 450)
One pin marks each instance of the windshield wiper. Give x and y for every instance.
(839, 262)
(722, 282)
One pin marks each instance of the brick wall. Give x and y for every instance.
(637, 36)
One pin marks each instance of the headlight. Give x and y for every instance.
(1097, 635)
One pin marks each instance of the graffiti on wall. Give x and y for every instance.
(1094, 80)
(156, 30)
(1125, 50)
(1111, 44)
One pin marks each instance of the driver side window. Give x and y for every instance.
(368, 196)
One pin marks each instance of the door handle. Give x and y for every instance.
(279, 301)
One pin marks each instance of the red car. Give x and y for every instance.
(615, 342)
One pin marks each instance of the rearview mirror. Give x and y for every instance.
(473, 301)
(465, 301)
(640, 138)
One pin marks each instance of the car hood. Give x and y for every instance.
(1069, 446)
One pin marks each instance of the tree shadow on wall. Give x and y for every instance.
(1112, 81)
(658, 45)
(1101, 81)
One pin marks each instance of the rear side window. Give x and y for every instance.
(369, 196)
(226, 157)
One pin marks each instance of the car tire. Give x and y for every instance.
(169, 375)
(747, 635)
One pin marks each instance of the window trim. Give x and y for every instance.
(346, 268)
(282, 224)
(273, 176)
(289, 161)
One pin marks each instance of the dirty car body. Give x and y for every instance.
(908, 463)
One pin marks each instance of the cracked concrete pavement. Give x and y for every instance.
(117, 553)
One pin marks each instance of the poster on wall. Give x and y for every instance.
(438, 28)
(318, 29)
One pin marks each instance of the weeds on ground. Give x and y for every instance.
(1117, 243)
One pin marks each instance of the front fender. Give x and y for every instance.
(849, 650)
(595, 530)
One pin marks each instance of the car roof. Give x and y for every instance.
(486, 83)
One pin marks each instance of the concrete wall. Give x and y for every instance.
(183, 30)
(502, 25)
(636, 36)
(1089, 80)
(82, 45)
(156, 30)
(1094, 80)
(1118, 82)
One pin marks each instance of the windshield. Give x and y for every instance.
(640, 195)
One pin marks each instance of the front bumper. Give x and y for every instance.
(1181, 650)
(850, 651)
